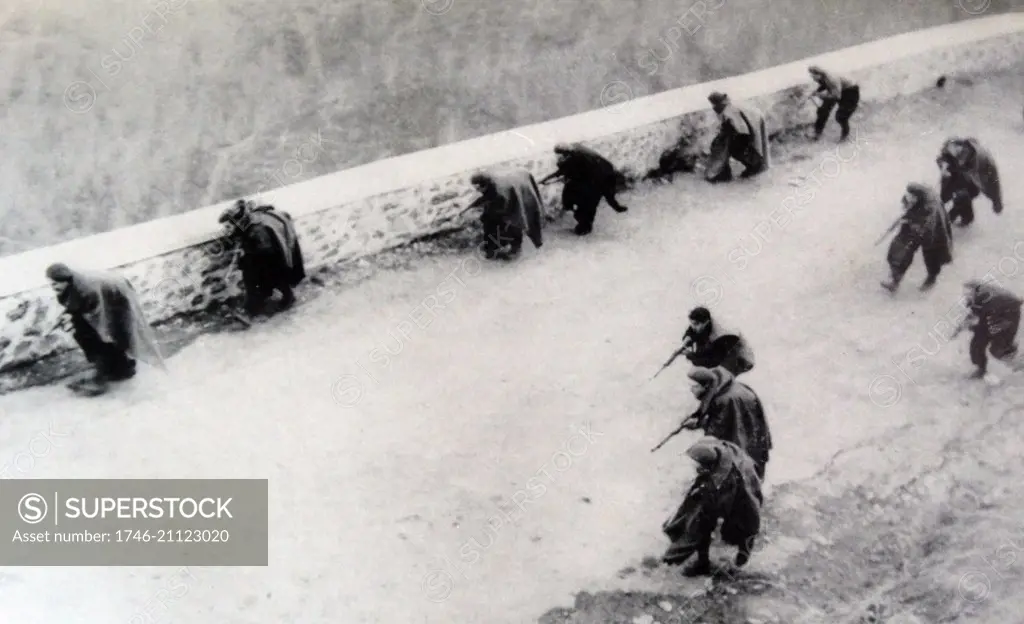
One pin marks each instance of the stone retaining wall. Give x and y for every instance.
(178, 266)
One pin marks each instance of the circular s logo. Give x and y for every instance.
(707, 289)
(438, 585)
(974, 586)
(885, 391)
(616, 92)
(348, 391)
(32, 508)
(437, 7)
(79, 97)
(974, 7)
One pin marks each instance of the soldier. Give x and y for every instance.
(512, 208)
(925, 225)
(726, 488)
(967, 169)
(588, 177)
(743, 135)
(108, 324)
(833, 90)
(709, 343)
(730, 410)
(994, 317)
(271, 258)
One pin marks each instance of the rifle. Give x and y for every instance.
(892, 227)
(680, 351)
(551, 178)
(689, 423)
(59, 323)
(231, 269)
(476, 203)
(805, 98)
(964, 324)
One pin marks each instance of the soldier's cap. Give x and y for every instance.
(563, 148)
(703, 376)
(59, 272)
(481, 177)
(974, 283)
(700, 314)
(717, 97)
(234, 213)
(705, 452)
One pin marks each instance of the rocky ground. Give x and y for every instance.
(904, 542)
(891, 491)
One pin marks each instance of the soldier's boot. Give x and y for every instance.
(582, 229)
(702, 565)
(253, 304)
(892, 285)
(742, 556)
(287, 297)
(94, 386)
(123, 372)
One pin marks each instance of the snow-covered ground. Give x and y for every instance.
(398, 419)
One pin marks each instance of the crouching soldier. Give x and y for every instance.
(924, 225)
(743, 135)
(589, 177)
(512, 209)
(709, 344)
(832, 91)
(108, 324)
(271, 258)
(967, 169)
(730, 410)
(994, 316)
(727, 488)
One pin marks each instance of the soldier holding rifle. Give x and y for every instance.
(967, 169)
(589, 177)
(923, 225)
(834, 92)
(708, 343)
(994, 318)
(271, 257)
(512, 210)
(729, 410)
(727, 488)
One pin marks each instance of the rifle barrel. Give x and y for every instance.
(60, 322)
(669, 437)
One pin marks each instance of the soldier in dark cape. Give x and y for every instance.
(925, 226)
(512, 209)
(730, 410)
(271, 257)
(967, 169)
(589, 177)
(727, 487)
(834, 90)
(108, 324)
(709, 343)
(994, 317)
(743, 135)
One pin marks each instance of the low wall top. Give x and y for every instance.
(25, 271)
